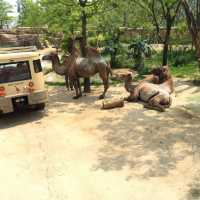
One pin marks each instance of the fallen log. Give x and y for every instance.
(110, 104)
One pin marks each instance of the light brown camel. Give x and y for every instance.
(75, 67)
(60, 68)
(157, 96)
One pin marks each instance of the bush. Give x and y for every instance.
(139, 50)
(122, 61)
(181, 57)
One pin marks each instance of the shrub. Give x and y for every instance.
(139, 49)
(97, 41)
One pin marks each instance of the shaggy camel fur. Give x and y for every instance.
(75, 67)
(86, 67)
(91, 52)
(157, 96)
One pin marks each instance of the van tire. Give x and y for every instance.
(39, 106)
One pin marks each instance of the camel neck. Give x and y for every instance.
(168, 85)
(56, 61)
(57, 66)
(127, 84)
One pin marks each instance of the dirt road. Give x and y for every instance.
(76, 151)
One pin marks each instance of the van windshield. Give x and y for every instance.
(11, 72)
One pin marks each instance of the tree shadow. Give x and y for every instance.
(62, 100)
(184, 86)
(194, 188)
(146, 142)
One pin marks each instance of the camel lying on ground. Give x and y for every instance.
(157, 96)
(75, 67)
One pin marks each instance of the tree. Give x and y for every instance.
(193, 21)
(162, 13)
(139, 49)
(71, 16)
(30, 13)
(5, 10)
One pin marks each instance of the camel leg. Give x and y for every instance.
(106, 85)
(154, 108)
(169, 103)
(134, 96)
(155, 105)
(67, 82)
(79, 87)
(76, 86)
(71, 86)
(131, 98)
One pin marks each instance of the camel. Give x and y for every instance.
(156, 76)
(75, 67)
(157, 96)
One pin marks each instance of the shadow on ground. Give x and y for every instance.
(194, 188)
(19, 118)
(62, 100)
(148, 143)
(184, 86)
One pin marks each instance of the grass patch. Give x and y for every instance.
(189, 69)
(182, 64)
(186, 71)
(93, 83)
(55, 83)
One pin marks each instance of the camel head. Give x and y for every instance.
(156, 71)
(50, 56)
(129, 86)
(126, 76)
(163, 73)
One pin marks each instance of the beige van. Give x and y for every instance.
(21, 80)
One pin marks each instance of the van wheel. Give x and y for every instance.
(39, 106)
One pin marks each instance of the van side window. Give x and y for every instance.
(37, 66)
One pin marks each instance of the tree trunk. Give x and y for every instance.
(193, 28)
(125, 20)
(83, 47)
(198, 13)
(113, 58)
(166, 43)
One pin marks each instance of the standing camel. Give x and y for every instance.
(75, 67)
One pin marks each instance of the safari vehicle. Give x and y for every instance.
(21, 80)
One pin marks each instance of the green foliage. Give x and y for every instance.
(31, 14)
(117, 52)
(182, 58)
(105, 22)
(60, 17)
(97, 40)
(5, 10)
(139, 49)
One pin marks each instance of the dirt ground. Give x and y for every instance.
(73, 150)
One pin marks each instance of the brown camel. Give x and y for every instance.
(59, 68)
(75, 67)
(157, 96)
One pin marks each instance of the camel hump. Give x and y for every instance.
(93, 52)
